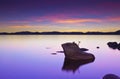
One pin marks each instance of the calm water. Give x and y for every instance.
(31, 57)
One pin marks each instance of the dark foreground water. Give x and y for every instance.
(35, 57)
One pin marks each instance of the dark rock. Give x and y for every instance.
(60, 51)
(119, 46)
(97, 47)
(73, 66)
(54, 53)
(73, 52)
(114, 45)
(111, 76)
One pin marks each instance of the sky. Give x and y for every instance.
(59, 15)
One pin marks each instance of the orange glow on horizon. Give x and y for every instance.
(77, 20)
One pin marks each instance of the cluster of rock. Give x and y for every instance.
(114, 45)
(76, 57)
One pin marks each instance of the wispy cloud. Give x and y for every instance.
(63, 19)
(114, 19)
(77, 20)
(23, 26)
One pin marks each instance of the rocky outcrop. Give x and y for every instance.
(114, 45)
(73, 52)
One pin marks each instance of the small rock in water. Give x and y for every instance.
(60, 51)
(53, 53)
(47, 47)
(114, 45)
(97, 47)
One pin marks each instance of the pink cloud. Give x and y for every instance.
(24, 26)
(115, 19)
(77, 20)
(62, 18)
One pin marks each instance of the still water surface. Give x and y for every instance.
(33, 57)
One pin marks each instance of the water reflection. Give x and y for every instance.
(29, 57)
(73, 66)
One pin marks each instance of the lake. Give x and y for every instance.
(36, 57)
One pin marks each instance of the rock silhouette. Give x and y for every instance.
(114, 45)
(119, 46)
(97, 47)
(73, 52)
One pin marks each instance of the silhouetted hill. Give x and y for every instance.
(61, 33)
(117, 32)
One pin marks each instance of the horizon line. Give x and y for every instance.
(60, 31)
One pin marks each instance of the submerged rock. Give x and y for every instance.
(111, 76)
(73, 52)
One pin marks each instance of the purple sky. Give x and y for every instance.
(59, 15)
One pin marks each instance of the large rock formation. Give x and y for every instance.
(73, 52)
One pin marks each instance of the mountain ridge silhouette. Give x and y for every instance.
(60, 33)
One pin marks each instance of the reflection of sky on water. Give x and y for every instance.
(29, 57)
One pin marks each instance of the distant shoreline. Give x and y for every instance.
(61, 33)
